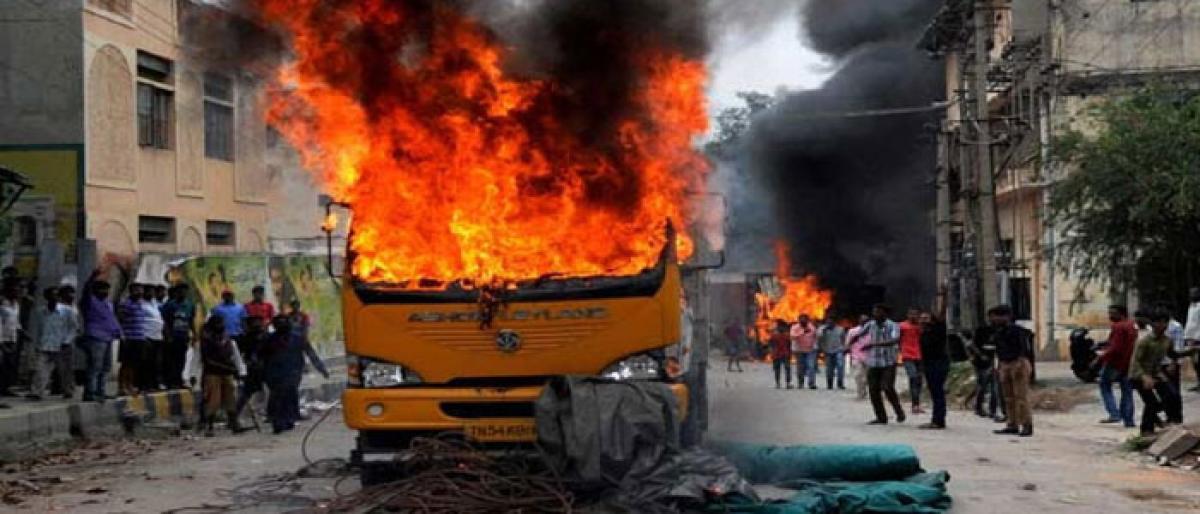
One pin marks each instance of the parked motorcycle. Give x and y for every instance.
(1083, 355)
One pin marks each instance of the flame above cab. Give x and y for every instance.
(457, 169)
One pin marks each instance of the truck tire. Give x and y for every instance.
(377, 474)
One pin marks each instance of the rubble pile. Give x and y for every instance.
(1178, 447)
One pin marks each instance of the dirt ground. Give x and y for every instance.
(1072, 464)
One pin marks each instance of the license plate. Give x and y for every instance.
(502, 432)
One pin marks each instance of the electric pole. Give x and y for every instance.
(985, 194)
(943, 226)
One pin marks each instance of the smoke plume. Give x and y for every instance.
(853, 193)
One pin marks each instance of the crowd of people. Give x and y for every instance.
(1144, 353)
(240, 350)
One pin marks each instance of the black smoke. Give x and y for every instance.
(853, 193)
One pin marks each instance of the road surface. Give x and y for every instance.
(1072, 465)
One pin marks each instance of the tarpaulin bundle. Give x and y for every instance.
(616, 444)
(923, 493)
(767, 464)
(836, 479)
(619, 442)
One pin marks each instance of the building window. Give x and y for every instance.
(25, 230)
(219, 233)
(218, 117)
(155, 101)
(123, 8)
(1020, 297)
(156, 229)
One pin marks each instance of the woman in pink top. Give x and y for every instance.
(858, 355)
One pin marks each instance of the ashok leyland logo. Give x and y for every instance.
(508, 340)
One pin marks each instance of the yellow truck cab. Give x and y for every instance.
(424, 361)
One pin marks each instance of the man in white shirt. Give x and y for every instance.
(60, 325)
(10, 328)
(1191, 330)
(148, 375)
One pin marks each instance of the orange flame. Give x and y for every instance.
(458, 170)
(800, 296)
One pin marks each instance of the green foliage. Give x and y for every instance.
(732, 124)
(1130, 209)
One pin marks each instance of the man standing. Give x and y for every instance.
(1191, 331)
(152, 350)
(285, 354)
(733, 346)
(935, 359)
(132, 315)
(100, 329)
(1014, 350)
(987, 381)
(882, 351)
(1146, 375)
(1172, 363)
(251, 346)
(781, 352)
(301, 322)
(1115, 361)
(259, 308)
(232, 314)
(858, 354)
(832, 340)
(804, 347)
(179, 314)
(910, 353)
(60, 327)
(10, 334)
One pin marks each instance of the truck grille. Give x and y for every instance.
(534, 339)
(482, 410)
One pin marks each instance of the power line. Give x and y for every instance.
(871, 113)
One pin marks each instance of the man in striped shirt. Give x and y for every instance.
(133, 345)
(882, 354)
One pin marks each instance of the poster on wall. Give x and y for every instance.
(285, 278)
(211, 276)
(303, 278)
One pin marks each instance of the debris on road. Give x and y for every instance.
(1178, 447)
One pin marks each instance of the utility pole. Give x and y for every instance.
(985, 194)
(943, 226)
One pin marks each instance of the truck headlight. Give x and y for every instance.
(643, 366)
(364, 372)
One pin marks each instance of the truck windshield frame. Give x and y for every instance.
(646, 283)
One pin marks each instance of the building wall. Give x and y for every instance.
(295, 210)
(41, 73)
(125, 180)
(1103, 35)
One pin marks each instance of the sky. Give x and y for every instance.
(765, 61)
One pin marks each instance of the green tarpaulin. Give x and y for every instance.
(836, 479)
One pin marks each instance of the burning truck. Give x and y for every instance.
(506, 226)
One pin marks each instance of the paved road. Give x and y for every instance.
(1073, 462)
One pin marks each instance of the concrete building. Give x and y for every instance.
(1046, 62)
(133, 143)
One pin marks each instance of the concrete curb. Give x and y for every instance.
(56, 423)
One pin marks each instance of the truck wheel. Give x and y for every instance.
(375, 474)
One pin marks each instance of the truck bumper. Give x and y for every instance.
(440, 409)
